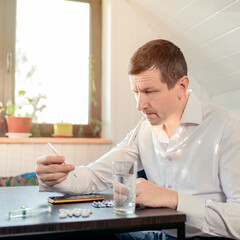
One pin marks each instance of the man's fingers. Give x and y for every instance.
(53, 176)
(119, 198)
(51, 183)
(55, 168)
(52, 163)
(120, 188)
(51, 159)
(52, 170)
(121, 193)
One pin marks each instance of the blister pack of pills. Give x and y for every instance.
(103, 204)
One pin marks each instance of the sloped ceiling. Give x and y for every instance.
(208, 32)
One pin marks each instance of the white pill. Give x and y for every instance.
(77, 213)
(70, 213)
(63, 214)
(85, 214)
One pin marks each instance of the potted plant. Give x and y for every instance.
(19, 123)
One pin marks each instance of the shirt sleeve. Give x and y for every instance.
(97, 176)
(213, 218)
(219, 218)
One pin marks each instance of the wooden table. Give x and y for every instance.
(102, 220)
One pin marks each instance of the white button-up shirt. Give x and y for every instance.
(201, 162)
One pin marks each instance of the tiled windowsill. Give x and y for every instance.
(33, 140)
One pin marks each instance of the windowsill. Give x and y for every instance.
(33, 140)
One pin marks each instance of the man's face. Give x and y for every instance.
(156, 102)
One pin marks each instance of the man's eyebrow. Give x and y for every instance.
(148, 88)
(143, 89)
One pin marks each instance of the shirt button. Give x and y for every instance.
(169, 186)
(169, 159)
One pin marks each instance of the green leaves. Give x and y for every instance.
(10, 108)
(2, 109)
(21, 93)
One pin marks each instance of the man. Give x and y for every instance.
(190, 151)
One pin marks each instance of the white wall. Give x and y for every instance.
(16, 159)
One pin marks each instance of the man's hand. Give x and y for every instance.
(51, 169)
(120, 193)
(152, 195)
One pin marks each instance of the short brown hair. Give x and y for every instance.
(163, 55)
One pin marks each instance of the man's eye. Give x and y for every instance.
(149, 92)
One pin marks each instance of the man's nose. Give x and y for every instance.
(141, 102)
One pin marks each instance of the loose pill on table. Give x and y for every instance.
(85, 213)
(70, 213)
(63, 214)
(77, 212)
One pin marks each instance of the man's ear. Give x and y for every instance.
(182, 86)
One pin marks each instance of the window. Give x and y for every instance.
(56, 59)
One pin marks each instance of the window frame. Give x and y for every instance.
(7, 79)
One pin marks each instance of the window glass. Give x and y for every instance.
(52, 60)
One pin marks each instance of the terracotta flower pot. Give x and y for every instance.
(19, 124)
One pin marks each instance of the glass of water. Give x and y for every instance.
(124, 186)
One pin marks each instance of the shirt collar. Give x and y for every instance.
(192, 114)
(193, 110)
(160, 133)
